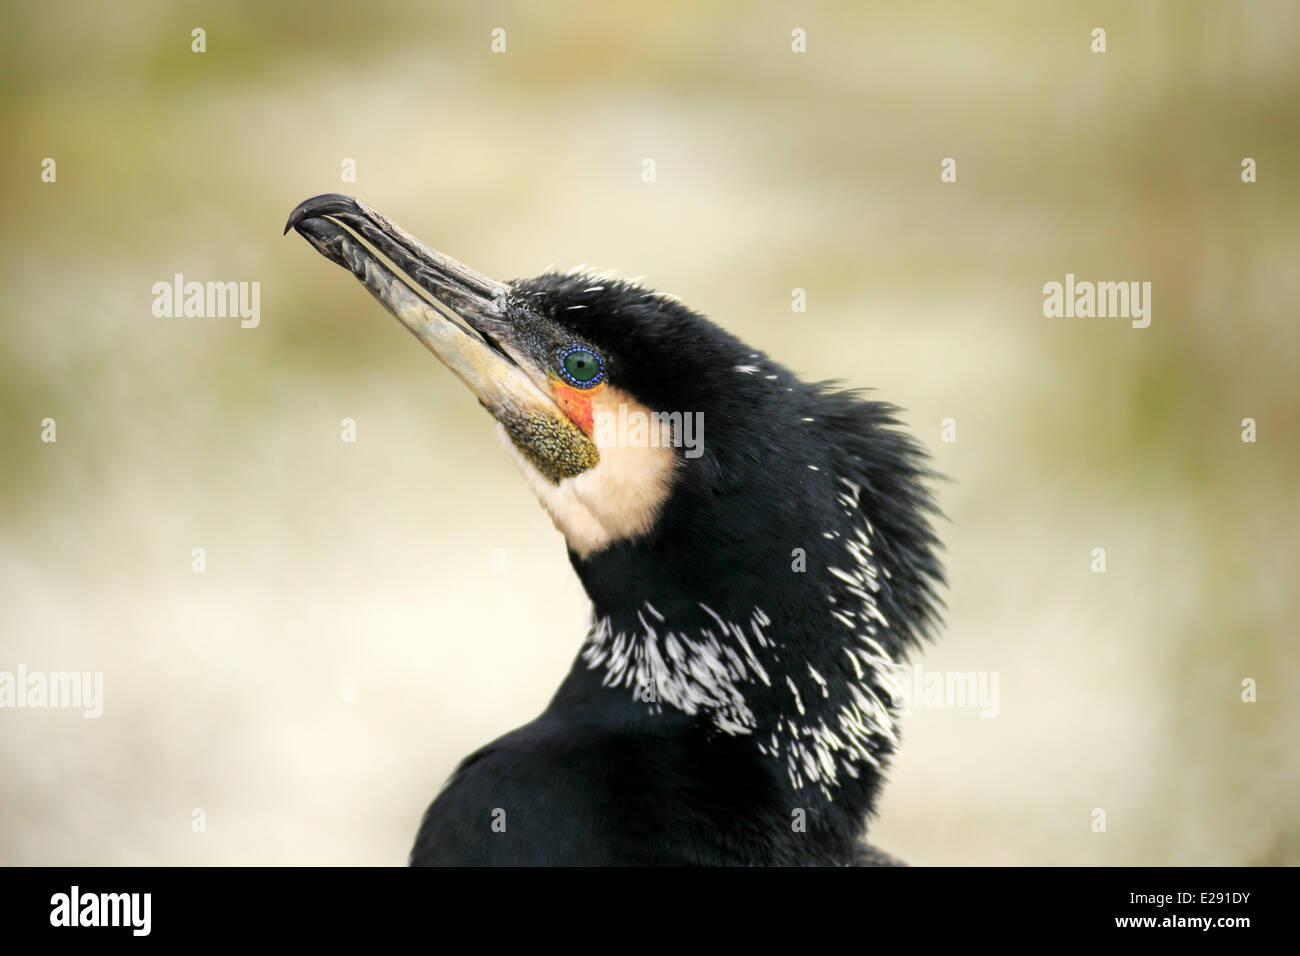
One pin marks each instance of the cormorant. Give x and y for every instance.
(753, 593)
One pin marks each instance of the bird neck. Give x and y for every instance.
(771, 607)
(732, 658)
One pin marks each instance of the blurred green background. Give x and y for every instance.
(373, 562)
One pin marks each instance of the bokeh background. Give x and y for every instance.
(373, 562)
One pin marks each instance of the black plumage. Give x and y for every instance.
(604, 777)
(752, 594)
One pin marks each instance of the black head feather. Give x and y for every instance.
(805, 524)
(751, 602)
(737, 679)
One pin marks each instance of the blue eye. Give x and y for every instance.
(580, 366)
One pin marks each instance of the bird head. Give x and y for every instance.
(757, 549)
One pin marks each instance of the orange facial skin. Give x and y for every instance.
(575, 402)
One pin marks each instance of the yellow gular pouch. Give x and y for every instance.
(556, 447)
(621, 494)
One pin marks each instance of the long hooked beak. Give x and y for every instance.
(472, 337)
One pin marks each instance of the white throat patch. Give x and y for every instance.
(620, 498)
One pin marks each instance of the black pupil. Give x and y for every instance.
(582, 366)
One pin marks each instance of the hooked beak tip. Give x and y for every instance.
(326, 204)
